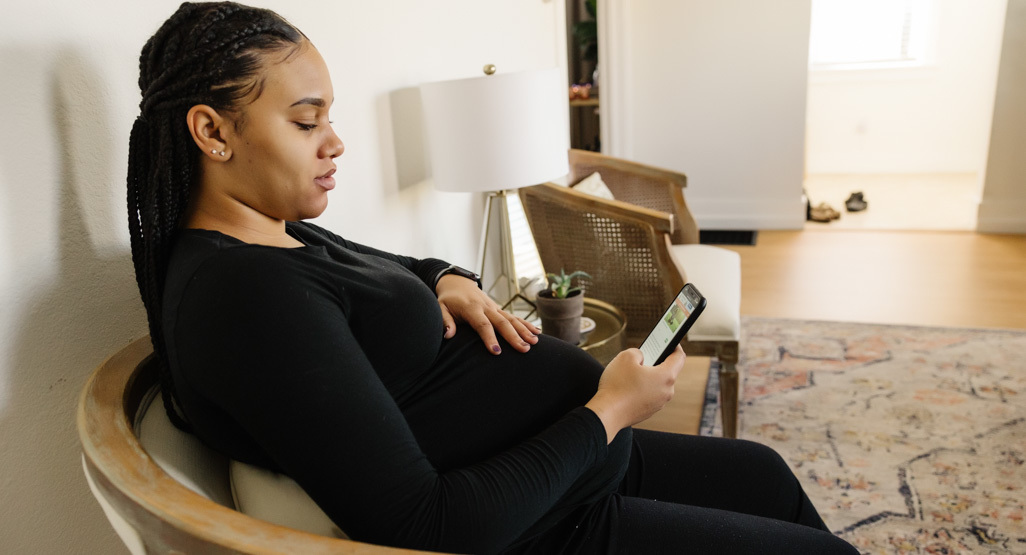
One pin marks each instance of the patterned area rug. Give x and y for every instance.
(908, 439)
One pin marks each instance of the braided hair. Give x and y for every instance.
(205, 53)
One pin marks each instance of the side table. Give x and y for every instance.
(609, 336)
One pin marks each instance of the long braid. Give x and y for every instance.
(205, 53)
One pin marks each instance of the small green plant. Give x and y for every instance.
(560, 285)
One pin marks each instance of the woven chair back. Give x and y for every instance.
(641, 185)
(627, 257)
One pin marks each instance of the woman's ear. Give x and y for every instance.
(207, 128)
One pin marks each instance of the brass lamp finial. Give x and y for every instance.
(489, 69)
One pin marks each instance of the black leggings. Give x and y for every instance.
(692, 494)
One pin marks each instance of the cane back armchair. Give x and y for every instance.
(640, 249)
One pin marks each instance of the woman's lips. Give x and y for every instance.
(326, 181)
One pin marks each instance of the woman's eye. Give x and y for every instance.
(306, 126)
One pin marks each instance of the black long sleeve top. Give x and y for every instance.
(327, 363)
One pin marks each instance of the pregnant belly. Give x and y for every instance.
(472, 404)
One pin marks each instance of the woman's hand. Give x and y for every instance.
(629, 392)
(462, 301)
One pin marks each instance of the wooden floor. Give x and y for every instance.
(952, 279)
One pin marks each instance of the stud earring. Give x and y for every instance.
(213, 151)
(221, 153)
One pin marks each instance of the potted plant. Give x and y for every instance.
(561, 306)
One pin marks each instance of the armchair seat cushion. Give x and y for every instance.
(277, 498)
(716, 272)
(248, 489)
(180, 454)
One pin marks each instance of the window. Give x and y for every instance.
(869, 34)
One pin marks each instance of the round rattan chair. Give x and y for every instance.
(182, 504)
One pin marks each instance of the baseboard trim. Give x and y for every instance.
(748, 214)
(1008, 216)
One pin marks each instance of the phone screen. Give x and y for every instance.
(674, 323)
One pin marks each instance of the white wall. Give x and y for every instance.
(715, 90)
(67, 291)
(1003, 209)
(933, 119)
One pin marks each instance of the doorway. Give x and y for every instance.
(900, 99)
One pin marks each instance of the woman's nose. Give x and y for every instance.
(334, 147)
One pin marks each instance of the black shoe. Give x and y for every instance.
(856, 203)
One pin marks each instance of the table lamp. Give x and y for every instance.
(495, 134)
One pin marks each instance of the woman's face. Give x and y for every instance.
(283, 154)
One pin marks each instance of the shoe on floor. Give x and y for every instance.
(856, 203)
(823, 212)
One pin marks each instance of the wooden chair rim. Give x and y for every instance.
(660, 221)
(586, 156)
(152, 501)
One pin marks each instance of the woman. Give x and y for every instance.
(361, 373)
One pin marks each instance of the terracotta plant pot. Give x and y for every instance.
(561, 317)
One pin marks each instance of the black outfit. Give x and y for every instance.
(327, 363)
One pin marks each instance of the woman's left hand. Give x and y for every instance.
(462, 301)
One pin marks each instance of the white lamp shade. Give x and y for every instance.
(502, 131)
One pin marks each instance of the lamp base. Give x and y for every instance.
(505, 288)
(511, 306)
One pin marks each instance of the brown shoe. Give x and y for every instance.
(823, 213)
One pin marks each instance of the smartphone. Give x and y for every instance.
(677, 319)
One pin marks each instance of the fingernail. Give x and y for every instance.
(525, 344)
(496, 349)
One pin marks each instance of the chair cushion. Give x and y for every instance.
(251, 490)
(593, 185)
(180, 454)
(277, 498)
(716, 272)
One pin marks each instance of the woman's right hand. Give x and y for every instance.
(629, 392)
